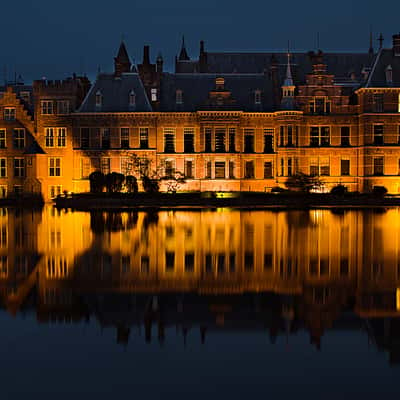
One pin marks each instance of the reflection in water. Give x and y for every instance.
(279, 272)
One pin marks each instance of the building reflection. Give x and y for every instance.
(279, 272)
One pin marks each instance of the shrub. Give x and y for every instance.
(97, 182)
(339, 190)
(131, 184)
(379, 191)
(114, 182)
(302, 182)
(150, 185)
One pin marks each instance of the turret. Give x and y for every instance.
(288, 88)
(122, 62)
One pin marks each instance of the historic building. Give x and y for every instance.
(227, 121)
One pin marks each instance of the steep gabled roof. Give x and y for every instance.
(197, 87)
(385, 59)
(115, 92)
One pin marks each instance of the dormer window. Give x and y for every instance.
(178, 97)
(99, 99)
(132, 99)
(220, 83)
(153, 93)
(389, 74)
(257, 97)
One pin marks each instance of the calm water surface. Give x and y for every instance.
(211, 304)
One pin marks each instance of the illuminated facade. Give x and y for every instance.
(227, 121)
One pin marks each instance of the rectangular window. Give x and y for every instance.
(54, 166)
(144, 138)
(281, 136)
(3, 191)
(62, 107)
(219, 170)
(105, 165)
(378, 102)
(19, 138)
(378, 166)
(220, 140)
(61, 137)
(208, 170)
(179, 97)
(324, 166)
(55, 191)
(49, 137)
(268, 140)
(19, 167)
(169, 261)
(189, 262)
(85, 138)
(345, 167)
(249, 170)
(3, 139)
(378, 134)
(188, 140)
(289, 167)
(144, 264)
(169, 168)
(189, 169)
(9, 113)
(314, 169)
(290, 135)
(47, 107)
(320, 106)
(3, 168)
(319, 136)
(124, 135)
(345, 136)
(268, 171)
(232, 134)
(153, 93)
(282, 167)
(231, 170)
(169, 140)
(85, 168)
(249, 140)
(105, 138)
(207, 139)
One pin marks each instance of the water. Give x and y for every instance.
(210, 304)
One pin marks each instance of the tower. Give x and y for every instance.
(122, 63)
(183, 55)
(288, 88)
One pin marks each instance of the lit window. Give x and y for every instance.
(3, 139)
(144, 138)
(55, 191)
(54, 166)
(105, 165)
(9, 113)
(19, 138)
(153, 94)
(62, 107)
(99, 98)
(220, 83)
(47, 107)
(219, 170)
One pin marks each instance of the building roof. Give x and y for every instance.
(115, 92)
(385, 60)
(196, 89)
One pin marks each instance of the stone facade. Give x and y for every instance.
(226, 131)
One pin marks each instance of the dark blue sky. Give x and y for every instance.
(53, 39)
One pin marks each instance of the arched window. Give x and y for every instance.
(132, 98)
(99, 99)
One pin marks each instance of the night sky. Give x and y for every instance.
(52, 39)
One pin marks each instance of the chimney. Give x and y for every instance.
(396, 45)
(146, 55)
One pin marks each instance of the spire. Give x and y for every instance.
(371, 47)
(183, 55)
(288, 80)
(288, 87)
(380, 40)
(122, 62)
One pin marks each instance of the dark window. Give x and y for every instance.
(325, 139)
(345, 136)
(231, 170)
(314, 136)
(125, 138)
(84, 138)
(208, 169)
(189, 169)
(188, 142)
(378, 102)
(220, 140)
(105, 138)
(232, 134)
(249, 143)
(268, 144)
(319, 136)
(207, 138)
(219, 170)
(282, 136)
(344, 267)
(144, 138)
(378, 134)
(169, 261)
(169, 168)
(345, 167)
(268, 261)
(289, 167)
(189, 262)
(209, 264)
(378, 166)
(290, 135)
(268, 172)
(144, 264)
(249, 170)
(169, 143)
(248, 261)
